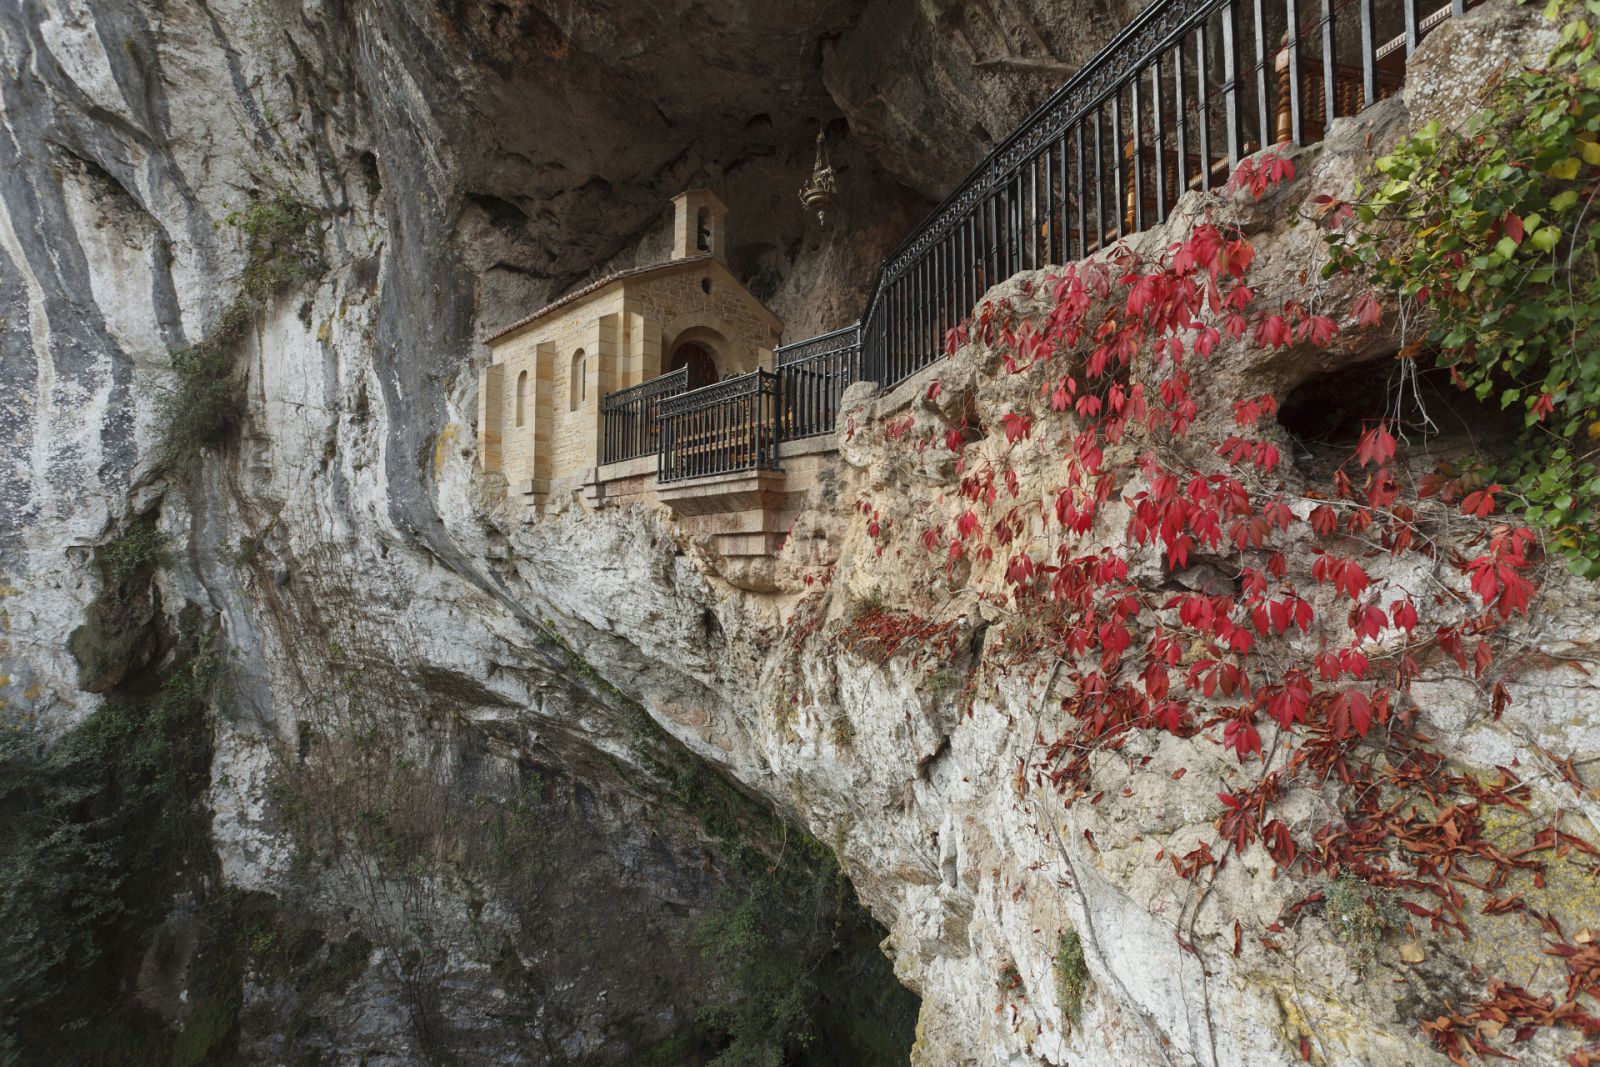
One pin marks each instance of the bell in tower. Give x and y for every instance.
(699, 225)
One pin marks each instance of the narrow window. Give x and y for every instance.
(703, 229)
(580, 382)
(522, 396)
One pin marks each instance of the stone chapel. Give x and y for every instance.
(539, 399)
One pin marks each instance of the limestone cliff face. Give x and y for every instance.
(371, 595)
(921, 764)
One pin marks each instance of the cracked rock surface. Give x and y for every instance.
(465, 162)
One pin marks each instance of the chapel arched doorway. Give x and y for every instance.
(697, 357)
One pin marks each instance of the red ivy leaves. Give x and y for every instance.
(1279, 842)
(1481, 503)
(1347, 575)
(1241, 736)
(1368, 312)
(1137, 663)
(1376, 445)
(1016, 426)
(1496, 577)
(1350, 711)
(1260, 173)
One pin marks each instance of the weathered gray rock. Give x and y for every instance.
(465, 162)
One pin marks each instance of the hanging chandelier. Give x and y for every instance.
(822, 190)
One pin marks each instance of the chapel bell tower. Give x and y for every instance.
(699, 225)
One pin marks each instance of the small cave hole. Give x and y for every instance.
(710, 627)
(369, 174)
(1326, 415)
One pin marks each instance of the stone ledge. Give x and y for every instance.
(727, 492)
(808, 446)
(627, 468)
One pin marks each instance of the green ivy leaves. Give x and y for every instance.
(1493, 231)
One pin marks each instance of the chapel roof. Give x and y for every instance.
(590, 288)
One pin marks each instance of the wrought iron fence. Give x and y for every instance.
(630, 426)
(719, 429)
(812, 377)
(1170, 105)
(1176, 99)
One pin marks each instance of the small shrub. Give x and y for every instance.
(281, 237)
(1071, 973)
(842, 730)
(1363, 914)
(284, 249)
(141, 547)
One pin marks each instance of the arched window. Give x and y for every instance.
(580, 381)
(702, 227)
(522, 396)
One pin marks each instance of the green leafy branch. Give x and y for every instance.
(1492, 232)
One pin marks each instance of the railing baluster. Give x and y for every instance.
(969, 263)
(991, 255)
(947, 296)
(1047, 158)
(1119, 164)
(1137, 138)
(1066, 199)
(1033, 205)
(902, 335)
(1080, 197)
(1180, 115)
(941, 320)
(1157, 135)
(1410, 11)
(913, 320)
(924, 302)
(1296, 129)
(1099, 183)
(1369, 58)
(1230, 81)
(1203, 103)
(1330, 67)
(1263, 107)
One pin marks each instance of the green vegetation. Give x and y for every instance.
(140, 548)
(809, 985)
(284, 249)
(116, 636)
(283, 243)
(93, 831)
(1492, 231)
(1071, 973)
(811, 988)
(1363, 914)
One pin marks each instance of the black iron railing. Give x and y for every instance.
(1169, 106)
(1176, 99)
(719, 429)
(630, 421)
(812, 377)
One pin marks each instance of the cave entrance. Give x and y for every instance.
(697, 357)
(1326, 415)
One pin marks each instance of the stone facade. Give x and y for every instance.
(539, 401)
